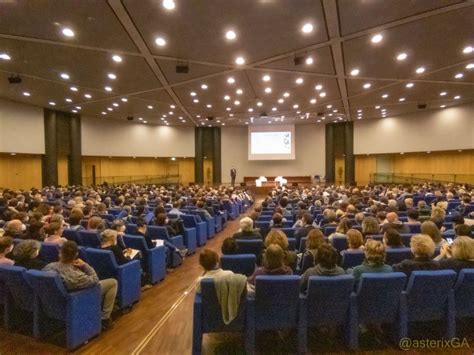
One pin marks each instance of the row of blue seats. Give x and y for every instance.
(379, 298)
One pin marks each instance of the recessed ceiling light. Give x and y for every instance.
(103, 112)
(192, 93)
(110, 109)
(443, 93)
(401, 99)
(228, 109)
(195, 101)
(268, 90)
(295, 106)
(410, 85)
(116, 58)
(204, 86)
(335, 110)
(227, 97)
(376, 38)
(274, 108)
(198, 116)
(309, 60)
(420, 70)
(299, 81)
(459, 75)
(5, 56)
(68, 32)
(318, 87)
(402, 56)
(384, 96)
(468, 50)
(246, 123)
(140, 118)
(298, 112)
(88, 96)
(360, 110)
(286, 94)
(239, 92)
(322, 94)
(281, 101)
(442, 106)
(115, 104)
(266, 78)
(377, 107)
(329, 106)
(307, 28)
(73, 88)
(108, 88)
(250, 109)
(208, 105)
(231, 114)
(239, 60)
(150, 107)
(457, 97)
(112, 76)
(236, 102)
(169, 4)
(313, 101)
(124, 99)
(145, 122)
(160, 41)
(230, 35)
(65, 76)
(78, 107)
(52, 103)
(355, 72)
(68, 100)
(470, 66)
(367, 85)
(259, 103)
(230, 80)
(74, 111)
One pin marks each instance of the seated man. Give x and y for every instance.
(392, 222)
(246, 230)
(76, 274)
(423, 248)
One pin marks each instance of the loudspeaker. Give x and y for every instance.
(182, 68)
(421, 106)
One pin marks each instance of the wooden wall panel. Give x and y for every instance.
(452, 162)
(20, 171)
(364, 166)
(63, 173)
(186, 170)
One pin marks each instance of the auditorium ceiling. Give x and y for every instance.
(244, 61)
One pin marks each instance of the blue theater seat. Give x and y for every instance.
(397, 255)
(464, 293)
(352, 258)
(89, 239)
(240, 263)
(49, 252)
(250, 246)
(191, 221)
(158, 232)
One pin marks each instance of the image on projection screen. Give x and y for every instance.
(271, 142)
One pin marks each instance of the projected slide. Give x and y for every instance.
(271, 143)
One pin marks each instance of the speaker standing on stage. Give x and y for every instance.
(233, 174)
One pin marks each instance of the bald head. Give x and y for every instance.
(14, 225)
(392, 217)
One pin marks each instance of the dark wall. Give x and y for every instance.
(340, 143)
(207, 145)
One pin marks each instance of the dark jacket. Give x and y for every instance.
(248, 235)
(456, 264)
(318, 270)
(285, 270)
(35, 263)
(400, 227)
(119, 257)
(409, 265)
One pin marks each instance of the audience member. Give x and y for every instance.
(273, 264)
(26, 255)
(374, 260)
(314, 240)
(6, 247)
(422, 248)
(246, 230)
(230, 246)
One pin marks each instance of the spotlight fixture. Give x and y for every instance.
(298, 60)
(14, 79)
(182, 68)
(130, 118)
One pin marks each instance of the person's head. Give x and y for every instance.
(430, 229)
(118, 225)
(458, 219)
(314, 239)
(354, 239)
(413, 214)
(229, 246)
(246, 224)
(308, 219)
(422, 205)
(277, 219)
(276, 236)
(75, 217)
(392, 238)
(53, 229)
(94, 223)
(409, 203)
(208, 259)
(27, 249)
(374, 251)
(68, 252)
(108, 237)
(15, 226)
(438, 212)
(343, 226)
(331, 215)
(370, 226)
(141, 225)
(422, 246)
(6, 245)
(359, 217)
(273, 258)
(392, 217)
(463, 248)
(462, 230)
(327, 256)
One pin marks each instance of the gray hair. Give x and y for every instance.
(27, 249)
(246, 224)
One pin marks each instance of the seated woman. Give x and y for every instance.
(273, 264)
(459, 255)
(276, 236)
(429, 228)
(355, 240)
(423, 248)
(95, 224)
(108, 241)
(392, 239)
(327, 266)
(26, 255)
(277, 221)
(341, 229)
(246, 230)
(230, 247)
(370, 227)
(6, 247)
(54, 234)
(120, 227)
(314, 240)
(374, 260)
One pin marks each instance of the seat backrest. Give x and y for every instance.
(378, 296)
(352, 258)
(340, 243)
(51, 292)
(414, 228)
(396, 255)
(291, 244)
(103, 262)
(132, 228)
(463, 293)
(265, 217)
(406, 239)
(329, 230)
(136, 242)
(71, 234)
(328, 299)
(49, 252)
(157, 232)
(427, 293)
(240, 263)
(18, 286)
(290, 232)
(250, 246)
(276, 301)
(89, 239)
(149, 217)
